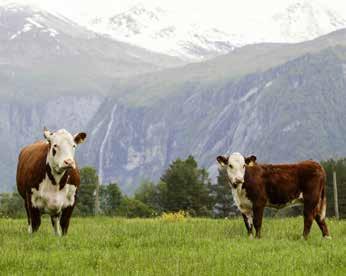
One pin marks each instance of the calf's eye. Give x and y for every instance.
(230, 166)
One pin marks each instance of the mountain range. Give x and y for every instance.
(142, 109)
(197, 38)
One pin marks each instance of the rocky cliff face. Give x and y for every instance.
(280, 102)
(291, 112)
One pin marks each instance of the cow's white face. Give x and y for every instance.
(62, 149)
(234, 166)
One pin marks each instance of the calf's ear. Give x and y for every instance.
(79, 138)
(223, 160)
(47, 134)
(251, 160)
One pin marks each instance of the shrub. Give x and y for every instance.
(175, 216)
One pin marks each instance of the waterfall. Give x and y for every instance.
(103, 144)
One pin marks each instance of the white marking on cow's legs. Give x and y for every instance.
(327, 237)
(250, 223)
(249, 220)
(30, 229)
(57, 227)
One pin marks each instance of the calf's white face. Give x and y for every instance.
(234, 166)
(62, 149)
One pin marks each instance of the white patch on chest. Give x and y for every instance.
(242, 201)
(50, 199)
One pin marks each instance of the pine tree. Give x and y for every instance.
(110, 198)
(186, 187)
(224, 204)
(87, 193)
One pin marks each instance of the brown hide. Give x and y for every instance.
(267, 184)
(31, 169)
(282, 183)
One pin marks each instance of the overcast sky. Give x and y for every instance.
(217, 12)
(243, 7)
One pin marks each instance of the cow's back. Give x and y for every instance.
(31, 166)
(281, 183)
(310, 169)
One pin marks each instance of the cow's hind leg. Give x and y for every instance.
(323, 226)
(308, 219)
(320, 218)
(65, 219)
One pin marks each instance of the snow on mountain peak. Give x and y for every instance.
(198, 30)
(304, 20)
(196, 38)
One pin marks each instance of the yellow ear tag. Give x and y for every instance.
(251, 164)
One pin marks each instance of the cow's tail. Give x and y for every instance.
(323, 200)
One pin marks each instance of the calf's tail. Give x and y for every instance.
(323, 200)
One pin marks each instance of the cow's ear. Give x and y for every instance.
(79, 138)
(251, 160)
(222, 160)
(47, 134)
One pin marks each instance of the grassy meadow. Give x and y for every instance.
(119, 246)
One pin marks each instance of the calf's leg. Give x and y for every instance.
(321, 215)
(248, 224)
(65, 219)
(308, 219)
(28, 216)
(322, 225)
(257, 219)
(34, 218)
(55, 219)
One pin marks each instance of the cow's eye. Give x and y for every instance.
(74, 146)
(230, 166)
(55, 145)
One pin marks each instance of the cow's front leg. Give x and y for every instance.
(248, 224)
(56, 224)
(28, 216)
(34, 214)
(65, 219)
(257, 219)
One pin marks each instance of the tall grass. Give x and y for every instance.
(120, 246)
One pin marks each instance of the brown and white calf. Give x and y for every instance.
(48, 179)
(256, 186)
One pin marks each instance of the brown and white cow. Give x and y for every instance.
(256, 186)
(48, 179)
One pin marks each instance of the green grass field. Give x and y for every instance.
(156, 247)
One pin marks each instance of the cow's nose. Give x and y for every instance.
(69, 163)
